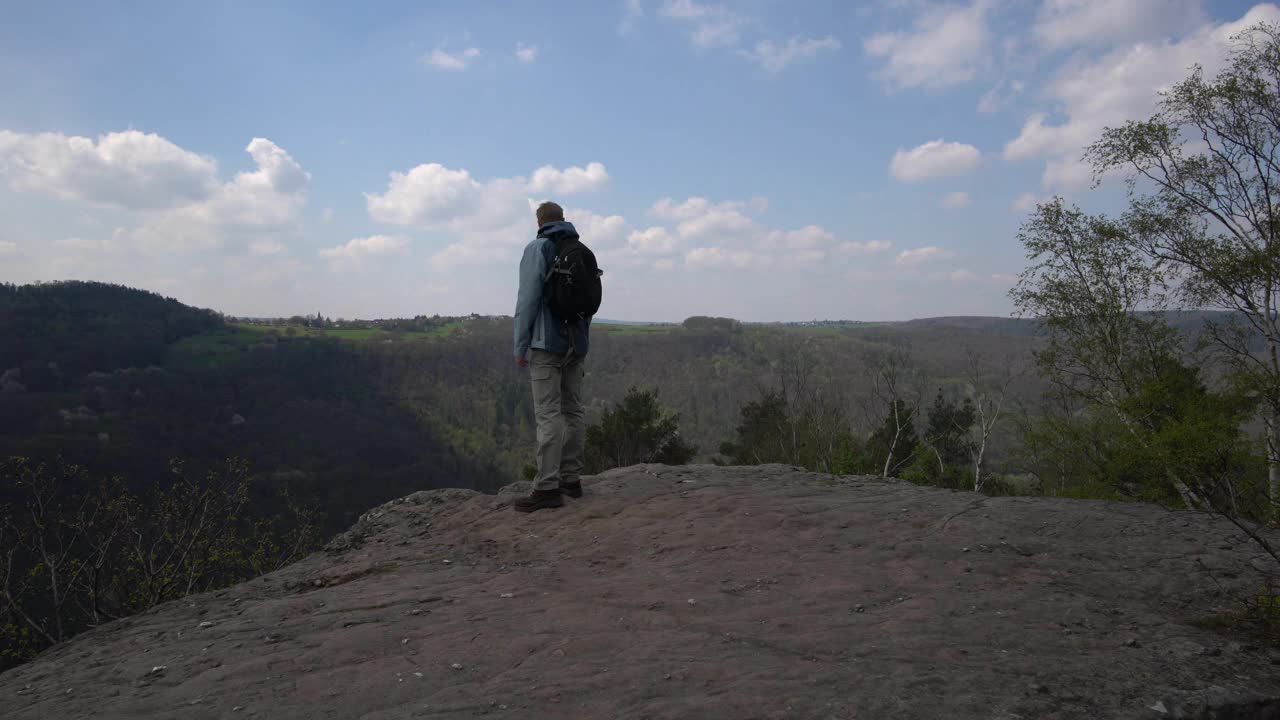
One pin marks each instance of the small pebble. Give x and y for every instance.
(456, 666)
(404, 641)
(507, 595)
(206, 624)
(692, 601)
(448, 562)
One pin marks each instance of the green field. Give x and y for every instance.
(228, 343)
(619, 329)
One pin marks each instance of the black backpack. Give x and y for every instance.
(572, 285)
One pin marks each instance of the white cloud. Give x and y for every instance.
(1000, 96)
(711, 25)
(429, 194)
(171, 197)
(1026, 202)
(874, 247)
(718, 257)
(810, 237)
(442, 60)
(775, 59)
(921, 255)
(357, 250)
(326, 215)
(1118, 86)
(130, 170)
(598, 231)
(8, 248)
(934, 159)
(1071, 23)
(549, 180)
(651, 241)
(947, 46)
(265, 248)
(270, 198)
(488, 220)
(526, 54)
(956, 200)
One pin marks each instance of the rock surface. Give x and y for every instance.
(700, 592)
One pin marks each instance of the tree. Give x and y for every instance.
(763, 433)
(1210, 157)
(986, 395)
(636, 430)
(76, 553)
(896, 387)
(1099, 304)
(946, 438)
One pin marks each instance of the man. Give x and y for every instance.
(553, 347)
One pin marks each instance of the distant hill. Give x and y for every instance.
(57, 332)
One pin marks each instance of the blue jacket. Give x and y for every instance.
(534, 326)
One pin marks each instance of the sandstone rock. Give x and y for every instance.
(815, 599)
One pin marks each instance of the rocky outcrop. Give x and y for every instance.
(701, 592)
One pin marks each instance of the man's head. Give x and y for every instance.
(549, 212)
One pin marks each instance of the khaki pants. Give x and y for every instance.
(557, 407)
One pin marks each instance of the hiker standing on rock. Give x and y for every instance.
(559, 294)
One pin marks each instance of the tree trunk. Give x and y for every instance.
(1273, 466)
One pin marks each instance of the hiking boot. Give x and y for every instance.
(539, 499)
(572, 488)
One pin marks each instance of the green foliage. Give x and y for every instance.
(1206, 163)
(636, 430)
(763, 433)
(811, 436)
(894, 444)
(56, 332)
(943, 455)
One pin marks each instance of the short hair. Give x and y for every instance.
(549, 212)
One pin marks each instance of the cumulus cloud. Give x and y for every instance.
(934, 159)
(267, 248)
(549, 180)
(810, 237)
(711, 25)
(352, 254)
(1118, 86)
(774, 58)
(947, 46)
(921, 256)
(527, 54)
(443, 60)
(1026, 202)
(1070, 23)
(487, 219)
(172, 196)
(269, 198)
(652, 241)
(956, 200)
(874, 247)
(719, 257)
(131, 170)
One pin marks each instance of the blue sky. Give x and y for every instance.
(761, 159)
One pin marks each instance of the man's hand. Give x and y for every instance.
(522, 362)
